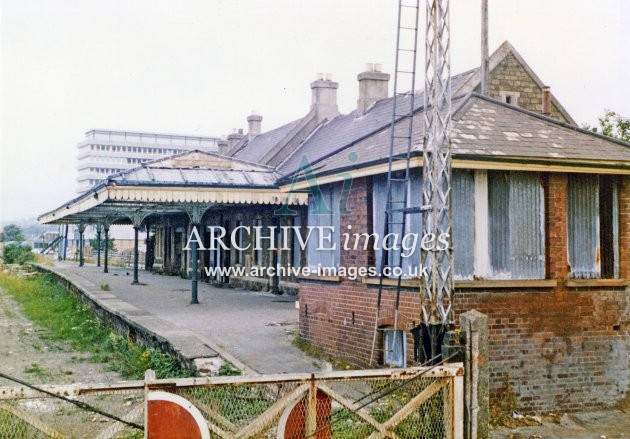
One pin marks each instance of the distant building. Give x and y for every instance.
(107, 152)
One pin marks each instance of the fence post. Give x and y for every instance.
(474, 327)
(311, 409)
(458, 406)
(149, 378)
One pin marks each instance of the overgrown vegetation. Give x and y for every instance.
(15, 253)
(228, 369)
(48, 304)
(313, 351)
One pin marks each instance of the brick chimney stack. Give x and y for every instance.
(324, 97)
(254, 122)
(234, 138)
(372, 87)
(223, 147)
(546, 100)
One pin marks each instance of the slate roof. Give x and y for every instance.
(491, 128)
(484, 127)
(146, 176)
(345, 130)
(197, 168)
(255, 150)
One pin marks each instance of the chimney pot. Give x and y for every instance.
(546, 100)
(254, 122)
(373, 86)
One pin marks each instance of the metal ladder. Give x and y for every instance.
(401, 132)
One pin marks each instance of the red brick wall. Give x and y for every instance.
(559, 348)
(624, 227)
(556, 226)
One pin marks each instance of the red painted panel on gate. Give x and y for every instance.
(167, 420)
(296, 421)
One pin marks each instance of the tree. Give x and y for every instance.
(12, 233)
(111, 246)
(611, 124)
(14, 253)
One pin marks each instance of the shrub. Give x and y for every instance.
(17, 254)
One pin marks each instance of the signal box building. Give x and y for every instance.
(540, 223)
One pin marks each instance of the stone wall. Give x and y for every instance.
(511, 76)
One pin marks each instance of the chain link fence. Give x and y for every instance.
(76, 411)
(402, 403)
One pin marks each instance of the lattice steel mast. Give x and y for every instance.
(437, 289)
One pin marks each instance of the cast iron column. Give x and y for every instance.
(65, 243)
(106, 228)
(81, 230)
(194, 275)
(146, 252)
(98, 245)
(135, 254)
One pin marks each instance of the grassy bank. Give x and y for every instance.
(48, 304)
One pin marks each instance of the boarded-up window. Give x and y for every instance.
(323, 211)
(408, 259)
(593, 228)
(463, 225)
(515, 222)
(395, 347)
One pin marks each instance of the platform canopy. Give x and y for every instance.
(185, 183)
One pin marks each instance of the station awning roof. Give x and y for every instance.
(174, 185)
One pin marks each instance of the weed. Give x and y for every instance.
(104, 287)
(37, 370)
(228, 369)
(47, 303)
(313, 351)
(43, 260)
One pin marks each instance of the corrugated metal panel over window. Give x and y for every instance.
(527, 231)
(463, 224)
(583, 226)
(413, 222)
(515, 220)
(324, 214)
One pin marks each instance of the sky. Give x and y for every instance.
(202, 66)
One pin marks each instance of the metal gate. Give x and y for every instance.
(423, 402)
